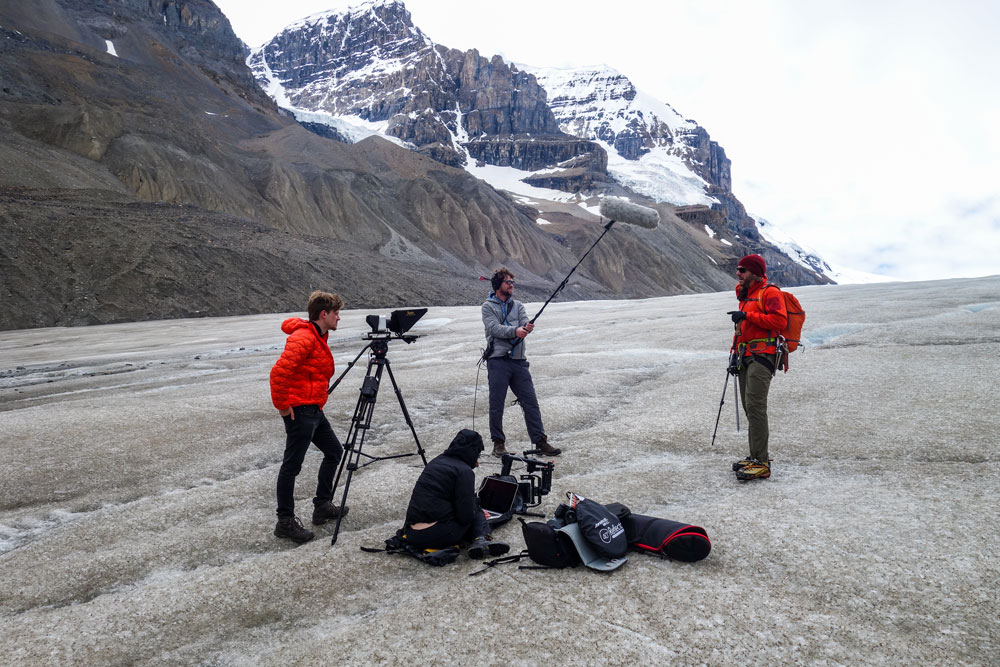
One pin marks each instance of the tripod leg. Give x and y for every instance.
(360, 423)
(406, 414)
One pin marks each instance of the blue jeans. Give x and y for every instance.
(513, 373)
(309, 426)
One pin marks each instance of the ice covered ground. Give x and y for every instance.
(136, 504)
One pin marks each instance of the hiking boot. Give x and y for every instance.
(743, 463)
(482, 547)
(545, 448)
(327, 512)
(291, 528)
(755, 470)
(498, 448)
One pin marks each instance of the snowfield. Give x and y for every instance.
(140, 460)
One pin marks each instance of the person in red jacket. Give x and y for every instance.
(299, 382)
(755, 346)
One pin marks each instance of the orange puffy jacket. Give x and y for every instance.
(758, 331)
(302, 373)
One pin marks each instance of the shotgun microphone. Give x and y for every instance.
(622, 210)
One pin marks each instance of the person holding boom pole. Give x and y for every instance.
(507, 325)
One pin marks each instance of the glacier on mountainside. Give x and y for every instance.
(644, 137)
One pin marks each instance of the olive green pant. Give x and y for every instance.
(755, 382)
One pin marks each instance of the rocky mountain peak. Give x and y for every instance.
(320, 60)
(370, 63)
(601, 103)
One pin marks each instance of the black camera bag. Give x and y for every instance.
(602, 529)
(548, 547)
(600, 525)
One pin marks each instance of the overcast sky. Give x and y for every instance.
(868, 130)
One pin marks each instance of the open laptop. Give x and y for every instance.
(496, 497)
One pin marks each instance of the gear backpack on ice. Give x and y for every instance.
(547, 546)
(600, 526)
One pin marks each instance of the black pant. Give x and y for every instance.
(309, 426)
(513, 373)
(448, 532)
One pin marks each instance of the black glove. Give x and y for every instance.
(737, 315)
(734, 364)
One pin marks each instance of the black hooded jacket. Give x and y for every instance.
(446, 489)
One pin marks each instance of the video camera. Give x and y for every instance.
(396, 324)
(533, 485)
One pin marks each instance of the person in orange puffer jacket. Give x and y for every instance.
(755, 346)
(299, 382)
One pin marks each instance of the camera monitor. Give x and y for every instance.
(496, 497)
(401, 320)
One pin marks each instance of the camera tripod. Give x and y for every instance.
(362, 419)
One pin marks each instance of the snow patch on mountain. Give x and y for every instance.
(509, 180)
(659, 175)
(594, 100)
(601, 104)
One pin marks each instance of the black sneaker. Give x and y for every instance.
(289, 527)
(327, 512)
(482, 547)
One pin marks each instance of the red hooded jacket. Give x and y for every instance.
(759, 330)
(301, 376)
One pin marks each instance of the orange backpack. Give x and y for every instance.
(792, 333)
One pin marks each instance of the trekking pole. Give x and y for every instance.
(722, 402)
(734, 364)
(736, 389)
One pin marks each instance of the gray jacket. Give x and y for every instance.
(500, 320)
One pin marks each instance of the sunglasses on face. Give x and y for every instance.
(740, 269)
(509, 282)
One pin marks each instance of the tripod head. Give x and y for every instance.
(383, 329)
(396, 324)
(379, 343)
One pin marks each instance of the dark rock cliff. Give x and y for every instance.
(373, 63)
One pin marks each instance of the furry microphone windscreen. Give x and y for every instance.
(622, 210)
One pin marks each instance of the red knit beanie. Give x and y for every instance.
(755, 263)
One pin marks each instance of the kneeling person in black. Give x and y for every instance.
(444, 509)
